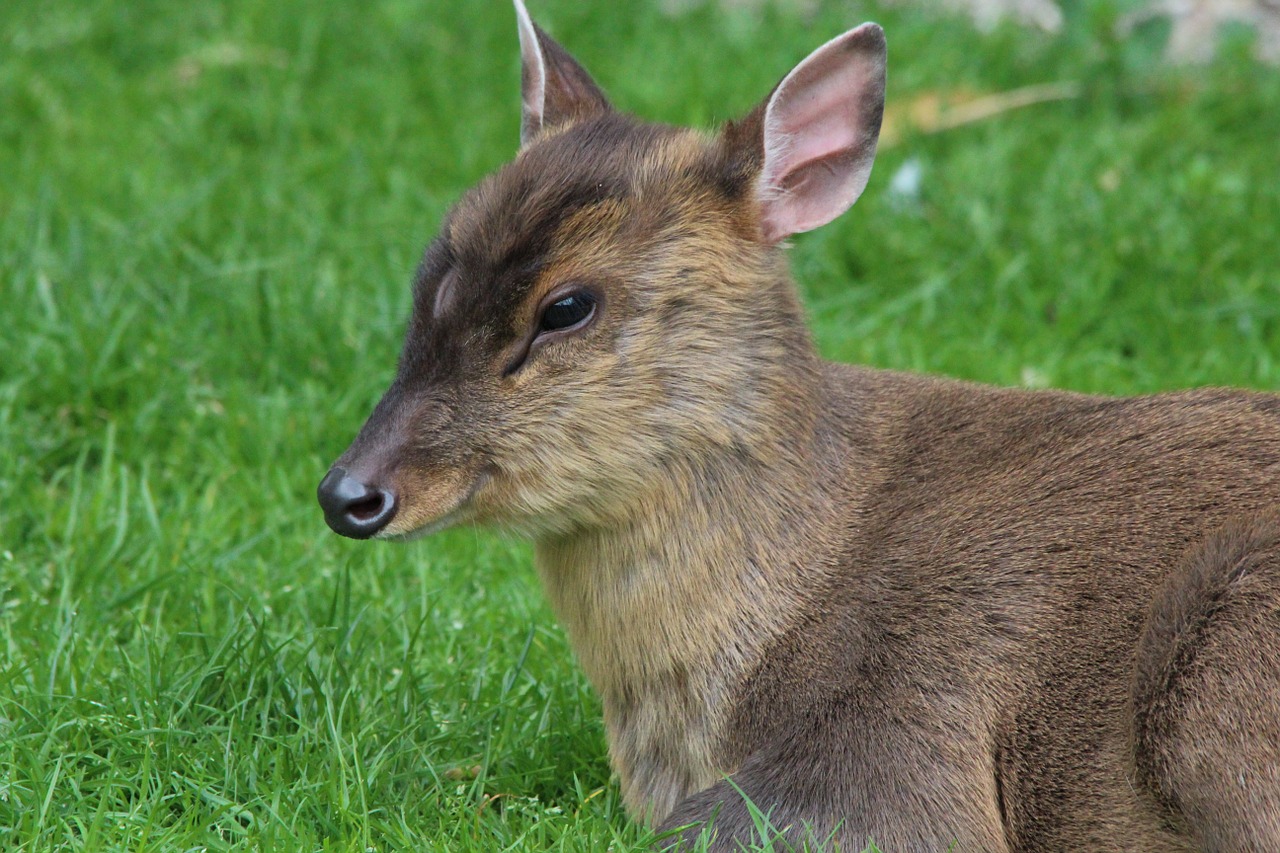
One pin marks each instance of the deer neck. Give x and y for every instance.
(670, 610)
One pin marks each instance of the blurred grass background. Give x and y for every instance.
(209, 215)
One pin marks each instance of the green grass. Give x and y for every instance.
(209, 214)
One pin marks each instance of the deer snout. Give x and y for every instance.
(354, 508)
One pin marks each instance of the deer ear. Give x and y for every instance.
(554, 88)
(819, 129)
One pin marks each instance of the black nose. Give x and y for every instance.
(352, 508)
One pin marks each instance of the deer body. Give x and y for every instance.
(970, 655)
(884, 606)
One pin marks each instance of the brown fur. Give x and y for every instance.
(892, 607)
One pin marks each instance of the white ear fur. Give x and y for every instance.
(554, 88)
(533, 75)
(821, 125)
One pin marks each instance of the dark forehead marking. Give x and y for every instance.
(502, 233)
(509, 220)
(497, 238)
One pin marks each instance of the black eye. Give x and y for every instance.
(568, 312)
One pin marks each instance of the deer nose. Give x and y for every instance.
(353, 508)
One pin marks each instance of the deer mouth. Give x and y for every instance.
(428, 508)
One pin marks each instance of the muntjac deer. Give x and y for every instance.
(878, 606)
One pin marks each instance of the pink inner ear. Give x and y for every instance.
(821, 127)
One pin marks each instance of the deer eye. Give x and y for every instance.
(571, 311)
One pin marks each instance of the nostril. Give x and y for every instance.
(367, 509)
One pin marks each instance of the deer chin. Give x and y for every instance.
(438, 505)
